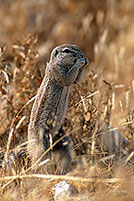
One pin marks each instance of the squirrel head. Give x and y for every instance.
(62, 59)
(66, 54)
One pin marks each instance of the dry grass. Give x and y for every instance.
(104, 31)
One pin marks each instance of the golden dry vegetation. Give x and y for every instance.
(104, 30)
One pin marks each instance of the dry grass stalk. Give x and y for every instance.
(104, 30)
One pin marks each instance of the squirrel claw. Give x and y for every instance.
(86, 62)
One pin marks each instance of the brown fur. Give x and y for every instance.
(64, 69)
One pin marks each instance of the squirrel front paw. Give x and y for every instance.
(82, 62)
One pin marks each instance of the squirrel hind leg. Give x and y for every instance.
(63, 155)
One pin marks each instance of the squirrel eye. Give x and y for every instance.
(56, 52)
(67, 50)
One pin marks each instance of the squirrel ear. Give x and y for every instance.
(56, 52)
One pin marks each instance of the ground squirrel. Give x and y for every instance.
(64, 69)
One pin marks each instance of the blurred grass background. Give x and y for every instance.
(103, 29)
